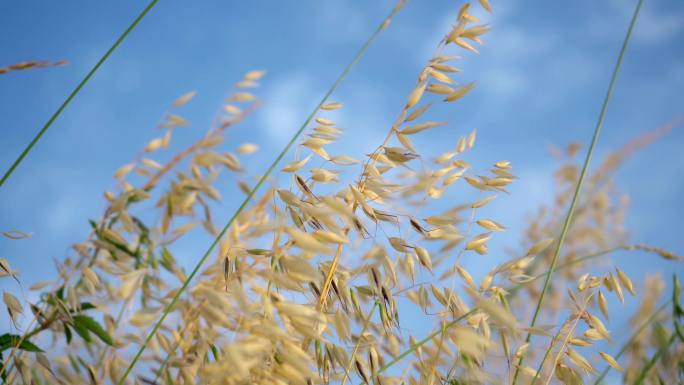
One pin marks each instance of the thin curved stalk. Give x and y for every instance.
(76, 91)
(320, 305)
(580, 182)
(358, 343)
(251, 194)
(568, 335)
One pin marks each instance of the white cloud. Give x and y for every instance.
(288, 101)
(653, 26)
(341, 21)
(656, 27)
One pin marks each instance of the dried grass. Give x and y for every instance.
(314, 283)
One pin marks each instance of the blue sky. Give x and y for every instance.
(541, 78)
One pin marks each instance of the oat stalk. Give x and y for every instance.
(251, 194)
(568, 335)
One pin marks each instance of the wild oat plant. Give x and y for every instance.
(311, 282)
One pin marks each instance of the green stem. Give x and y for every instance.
(580, 182)
(546, 355)
(77, 90)
(242, 206)
(654, 360)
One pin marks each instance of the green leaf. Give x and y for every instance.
(90, 324)
(167, 260)
(81, 330)
(258, 251)
(74, 364)
(67, 333)
(82, 307)
(87, 306)
(678, 312)
(215, 351)
(60, 292)
(678, 331)
(2, 368)
(11, 340)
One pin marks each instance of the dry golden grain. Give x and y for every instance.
(310, 278)
(539, 247)
(254, 75)
(490, 225)
(611, 361)
(331, 106)
(296, 165)
(421, 127)
(184, 99)
(459, 92)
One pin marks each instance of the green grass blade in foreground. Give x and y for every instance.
(654, 360)
(585, 167)
(76, 91)
(263, 178)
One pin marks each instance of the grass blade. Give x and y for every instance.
(263, 178)
(585, 167)
(654, 360)
(76, 91)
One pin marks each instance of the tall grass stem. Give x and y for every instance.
(76, 90)
(580, 182)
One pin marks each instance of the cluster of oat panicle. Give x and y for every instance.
(350, 273)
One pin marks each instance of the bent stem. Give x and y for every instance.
(251, 194)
